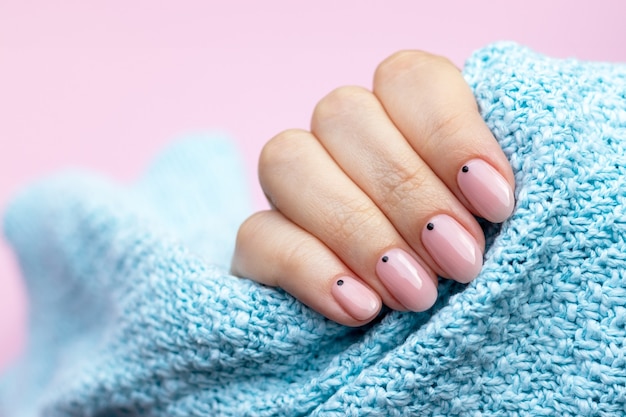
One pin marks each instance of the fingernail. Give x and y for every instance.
(357, 299)
(406, 280)
(453, 248)
(486, 190)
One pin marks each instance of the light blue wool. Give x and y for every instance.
(134, 312)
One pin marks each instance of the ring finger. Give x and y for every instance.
(355, 129)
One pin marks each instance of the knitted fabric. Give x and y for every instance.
(134, 312)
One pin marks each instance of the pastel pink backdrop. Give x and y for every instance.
(106, 84)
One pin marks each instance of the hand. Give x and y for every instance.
(378, 198)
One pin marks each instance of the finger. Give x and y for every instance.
(272, 250)
(353, 127)
(328, 205)
(431, 104)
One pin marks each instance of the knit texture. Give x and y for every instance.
(134, 312)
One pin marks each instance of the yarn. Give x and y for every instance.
(134, 312)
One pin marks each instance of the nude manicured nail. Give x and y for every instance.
(486, 190)
(357, 299)
(453, 248)
(406, 280)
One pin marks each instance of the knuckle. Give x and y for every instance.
(351, 221)
(280, 152)
(248, 230)
(339, 102)
(404, 62)
(402, 183)
(295, 257)
(445, 124)
(254, 235)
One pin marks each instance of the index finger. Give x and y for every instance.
(428, 100)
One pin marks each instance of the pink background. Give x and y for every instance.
(105, 84)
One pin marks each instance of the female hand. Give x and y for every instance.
(378, 198)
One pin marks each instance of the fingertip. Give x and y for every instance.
(487, 190)
(407, 280)
(453, 248)
(357, 299)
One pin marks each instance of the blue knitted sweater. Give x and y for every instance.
(134, 312)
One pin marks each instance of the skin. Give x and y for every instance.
(373, 169)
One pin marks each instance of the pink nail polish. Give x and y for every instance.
(357, 299)
(453, 248)
(487, 190)
(406, 280)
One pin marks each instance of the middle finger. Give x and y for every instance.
(354, 128)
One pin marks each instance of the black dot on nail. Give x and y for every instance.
(385, 258)
(340, 282)
(430, 226)
(465, 168)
